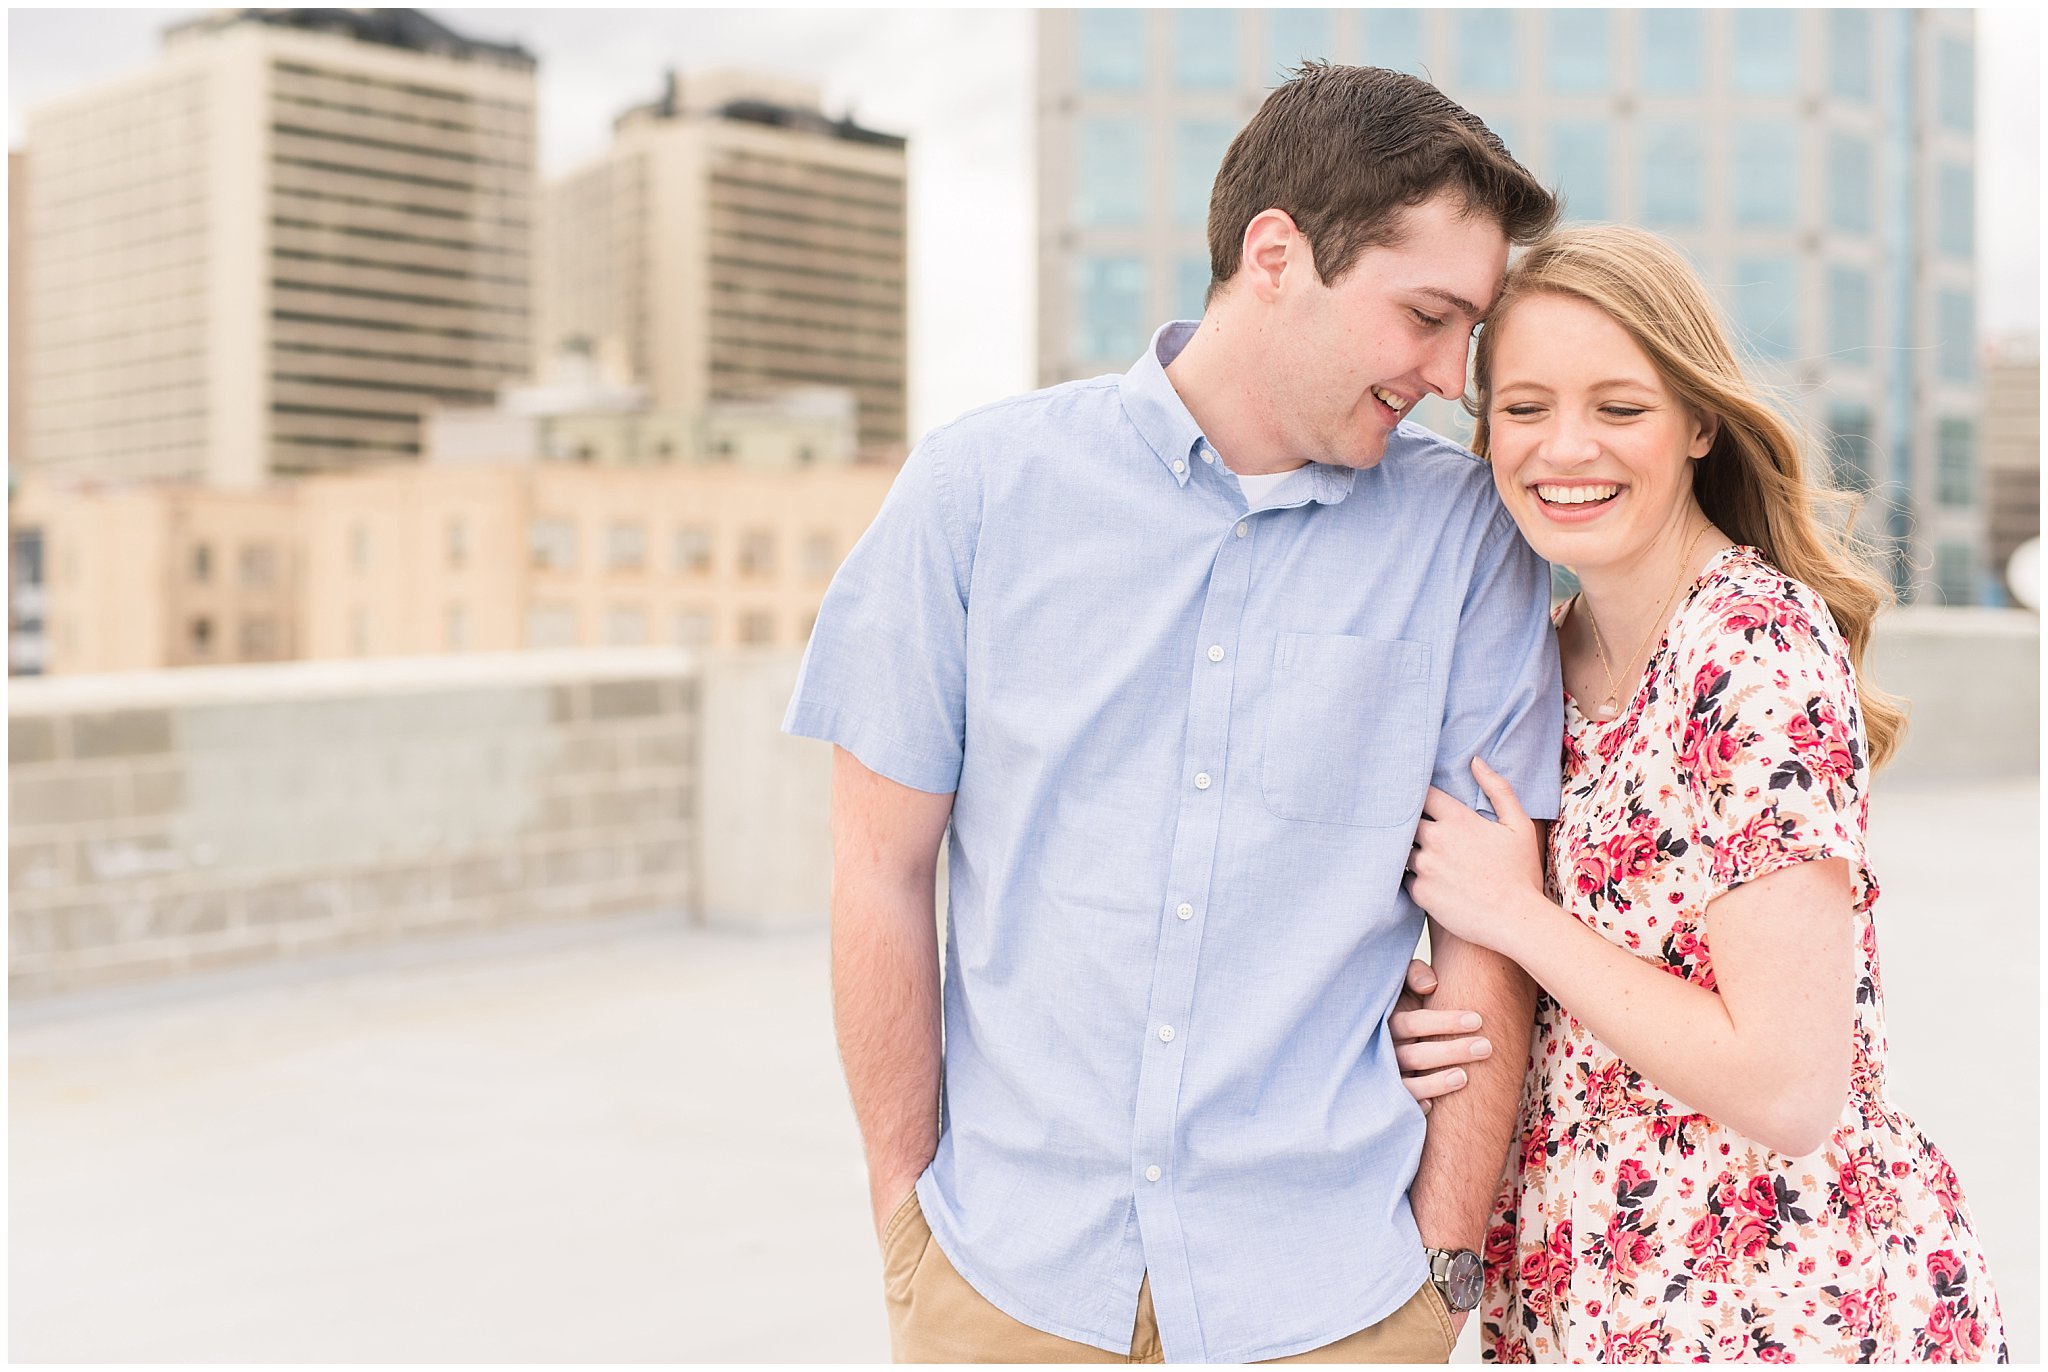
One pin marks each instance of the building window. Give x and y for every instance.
(1851, 453)
(1487, 50)
(757, 628)
(1578, 51)
(1109, 172)
(585, 454)
(757, 552)
(1109, 314)
(359, 547)
(1848, 314)
(259, 638)
(1849, 54)
(1294, 37)
(1674, 168)
(551, 626)
(1766, 55)
(1205, 49)
(693, 628)
(625, 547)
(1198, 148)
(1581, 166)
(458, 544)
(1955, 85)
(1956, 324)
(821, 554)
(1766, 303)
(1190, 287)
(1849, 185)
(1766, 174)
(455, 629)
(553, 542)
(1393, 39)
(202, 562)
(259, 565)
(1112, 49)
(1952, 574)
(693, 550)
(1955, 217)
(1674, 51)
(201, 631)
(625, 626)
(1955, 461)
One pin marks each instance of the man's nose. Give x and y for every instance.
(1444, 373)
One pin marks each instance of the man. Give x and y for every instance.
(1177, 655)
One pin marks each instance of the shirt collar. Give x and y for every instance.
(1155, 407)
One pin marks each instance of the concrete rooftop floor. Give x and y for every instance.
(633, 1144)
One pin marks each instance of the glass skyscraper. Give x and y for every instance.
(1818, 166)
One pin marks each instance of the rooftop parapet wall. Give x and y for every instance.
(166, 822)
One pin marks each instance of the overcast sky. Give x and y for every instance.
(959, 84)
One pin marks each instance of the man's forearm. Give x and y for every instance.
(1469, 1130)
(885, 1002)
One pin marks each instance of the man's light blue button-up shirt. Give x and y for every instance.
(1188, 748)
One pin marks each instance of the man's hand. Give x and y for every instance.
(1431, 1045)
(885, 1194)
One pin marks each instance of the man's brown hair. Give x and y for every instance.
(1343, 150)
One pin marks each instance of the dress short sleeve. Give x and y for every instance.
(1772, 746)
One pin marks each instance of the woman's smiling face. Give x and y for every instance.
(1591, 452)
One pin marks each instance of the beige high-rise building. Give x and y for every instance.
(276, 248)
(733, 242)
(2012, 447)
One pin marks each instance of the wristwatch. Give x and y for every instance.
(1458, 1276)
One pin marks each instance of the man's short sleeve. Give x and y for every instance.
(1505, 702)
(885, 674)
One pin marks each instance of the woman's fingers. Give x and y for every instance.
(1429, 1024)
(1428, 1086)
(1430, 1055)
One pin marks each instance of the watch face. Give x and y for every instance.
(1467, 1277)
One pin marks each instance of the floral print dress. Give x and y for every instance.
(1632, 1228)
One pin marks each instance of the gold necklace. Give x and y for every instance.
(1607, 711)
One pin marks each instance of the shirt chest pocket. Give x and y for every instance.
(1350, 729)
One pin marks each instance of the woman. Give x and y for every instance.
(1708, 1164)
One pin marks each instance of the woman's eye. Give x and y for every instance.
(1621, 411)
(1522, 411)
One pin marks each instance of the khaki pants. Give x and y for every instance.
(935, 1316)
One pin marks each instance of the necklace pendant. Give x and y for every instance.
(1604, 711)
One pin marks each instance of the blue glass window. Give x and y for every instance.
(1956, 85)
(1848, 314)
(1674, 51)
(1674, 170)
(1294, 36)
(1112, 49)
(1767, 303)
(1952, 579)
(1851, 452)
(1578, 51)
(1486, 50)
(1956, 335)
(1109, 308)
(1580, 162)
(1190, 287)
(1849, 188)
(1955, 211)
(1393, 38)
(1109, 172)
(1955, 461)
(1766, 51)
(1766, 174)
(1205, 49)
(1198, 148)
(1849, 53)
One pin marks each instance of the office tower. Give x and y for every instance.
(733, 242)
(2012, 450)
(275, 248)
(1818, 166)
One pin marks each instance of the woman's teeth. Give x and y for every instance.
(1576, 495)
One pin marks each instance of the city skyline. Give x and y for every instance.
(971, 143)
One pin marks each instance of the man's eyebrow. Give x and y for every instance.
(1456, 302)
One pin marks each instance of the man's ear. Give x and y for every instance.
(1272, 245)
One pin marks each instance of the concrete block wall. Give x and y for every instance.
(1971, 678)
(165, 822)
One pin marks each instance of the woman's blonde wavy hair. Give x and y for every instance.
(1754, 482)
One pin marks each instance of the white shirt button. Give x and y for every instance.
(1185, 910)
(1179, 466)
(1215, 652)
(1201, 781)
(1166, 1033)
(1208, 453)
(1243, 529)
(1152, 1172)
